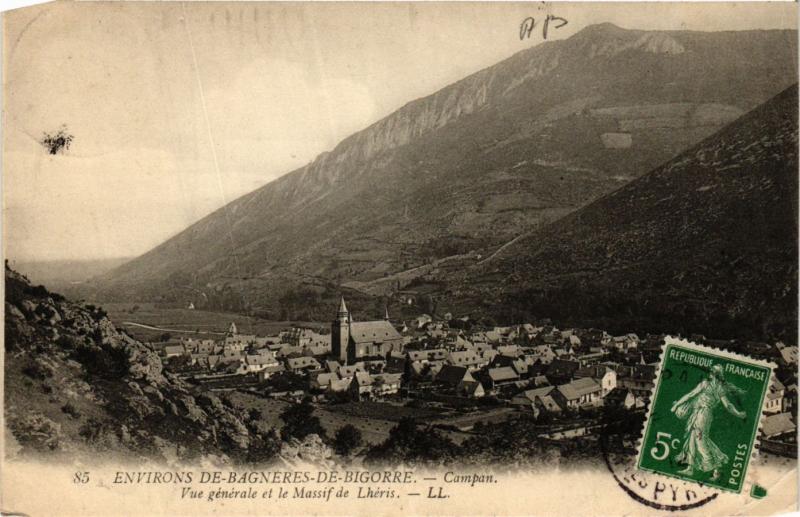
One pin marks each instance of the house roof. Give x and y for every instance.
(259, 359)
(373, 331)
(273, 368)
(350, 370)
(579, 387)
(778, 424)
(504, 373)
(326, 378)
(288, 350)
(775, 390)
(492, 335)
(594, 371)
(639, 371)
(563, 367)
(228, 367)
(435, 366)
(432, 354)
(538, 392)
(617, 395)
(489, 355)
(362, 379)
(509, 350)
(464, 357)
(340, 384)
(453, 375)
(520, 366)
(317, 349)
(472, 386)
(553, 401)
(389, 378)
(241, 338)
(789, 353)
(543, 351)
(539, 380)
(302, 362)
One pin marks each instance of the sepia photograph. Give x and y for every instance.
(400, 258)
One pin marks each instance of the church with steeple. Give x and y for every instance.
(353, 340)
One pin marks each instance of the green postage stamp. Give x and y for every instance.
(704, 415)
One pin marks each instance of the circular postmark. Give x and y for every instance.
(654, 490)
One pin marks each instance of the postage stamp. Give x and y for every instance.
(704, 415)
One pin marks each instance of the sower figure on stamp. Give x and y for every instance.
(699, 451)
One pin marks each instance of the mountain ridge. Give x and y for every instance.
(511, 147)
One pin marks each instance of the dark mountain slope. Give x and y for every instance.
(705, 243)
(493, 156)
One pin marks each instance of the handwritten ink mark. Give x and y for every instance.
(529, 23)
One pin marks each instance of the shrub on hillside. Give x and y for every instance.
(412, 446)
(36, 370)
(300, 421)
(347, 439)
(109, 363)
(70, 410)
(37, 432)
(264, 447)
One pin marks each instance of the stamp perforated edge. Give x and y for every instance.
(670, 340)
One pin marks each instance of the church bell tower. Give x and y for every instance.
(340, 333)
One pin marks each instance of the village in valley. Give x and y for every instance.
(456, 375)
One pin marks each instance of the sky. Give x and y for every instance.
(178, 108)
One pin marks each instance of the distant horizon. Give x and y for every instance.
(141, 168)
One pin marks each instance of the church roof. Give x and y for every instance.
(373, 331)
(342, 306)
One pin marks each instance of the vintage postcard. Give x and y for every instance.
(400, 258)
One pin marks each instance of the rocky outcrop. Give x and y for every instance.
(35, 431)
(311, 450)
(77, 386)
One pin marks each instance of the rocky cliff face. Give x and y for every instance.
(469, 168)
(75, 386)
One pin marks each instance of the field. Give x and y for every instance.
(386, 411)
(146, 322)
(373, 430)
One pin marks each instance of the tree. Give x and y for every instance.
(347, 438)
(408, 445)
(299, 421)
(264, 447)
